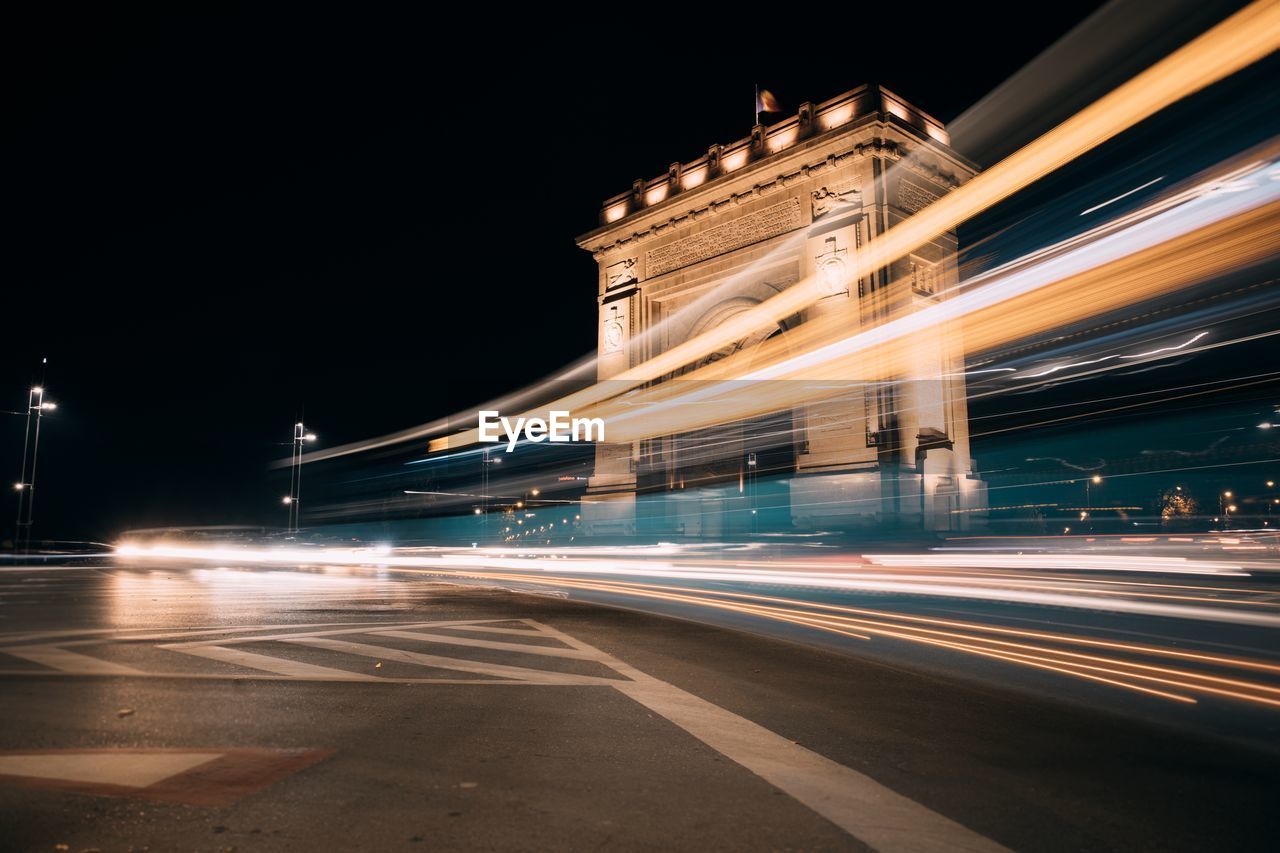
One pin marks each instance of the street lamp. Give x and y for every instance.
(294, 499)
(37, 405)
(486, 459)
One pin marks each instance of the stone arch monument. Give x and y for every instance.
(682, 252)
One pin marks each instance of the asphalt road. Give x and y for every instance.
(188, 708)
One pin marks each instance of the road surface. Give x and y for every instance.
(174, 706)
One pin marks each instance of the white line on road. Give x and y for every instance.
(536, 676)
(549, 651)
(68, 661)
(267, 663)
(861, 806)
(130, 769)
(867, 810)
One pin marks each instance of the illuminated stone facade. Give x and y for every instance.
(683, 252)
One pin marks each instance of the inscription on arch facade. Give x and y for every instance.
(734, 234)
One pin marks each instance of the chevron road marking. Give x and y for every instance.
(875, 815)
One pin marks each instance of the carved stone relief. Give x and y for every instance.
(623, 272)
(828, 198)
(832, 270)
(613, 334)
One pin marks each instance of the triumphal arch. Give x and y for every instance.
(681, 253)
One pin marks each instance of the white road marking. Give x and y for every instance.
(493, 629)
(152, 634)
(268, 663)
(131, 769)
(861, 806)
(535, 676)
(68, 661)
(364, 628)
(549, 651)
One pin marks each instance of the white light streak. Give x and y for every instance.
(1122, 195)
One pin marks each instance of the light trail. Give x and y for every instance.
(1115, 270)
(1168, 672)
(1138, 188)
(1242, 39)
(1046, 658)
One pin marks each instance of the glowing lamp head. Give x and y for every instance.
(311, 436)
(535, 493)
(48, 407)
(286, 500)
(1226, 494)
(19, 486)
(1096, 479)
(1231, 508)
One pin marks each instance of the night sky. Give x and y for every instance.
(221, 221)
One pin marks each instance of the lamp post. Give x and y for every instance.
(26, 485)
(294, 499)
(1089, 483)
(485, 461)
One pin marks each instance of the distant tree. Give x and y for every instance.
(1177, 509)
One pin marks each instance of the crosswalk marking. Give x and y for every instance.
(360, 628)
(877, 816)
(59, 658)
(549, 651)
(492, 629)
(270, 663)
(537, 676)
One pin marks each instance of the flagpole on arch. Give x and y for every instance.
(757, 85)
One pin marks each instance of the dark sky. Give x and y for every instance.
(218, 221)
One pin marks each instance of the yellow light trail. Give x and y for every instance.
(1242, 39)
(1089, 658)
(1155, 271)
(953, 640)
